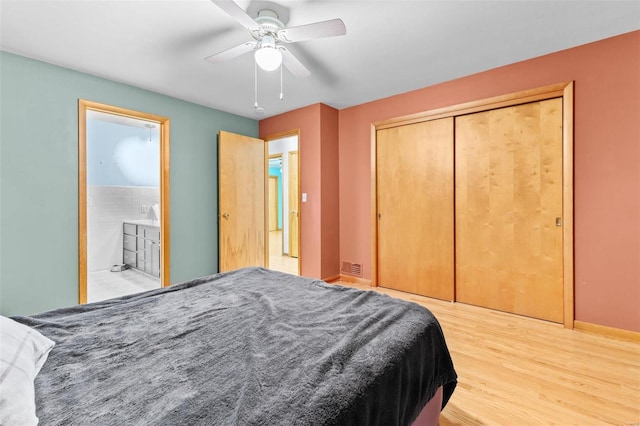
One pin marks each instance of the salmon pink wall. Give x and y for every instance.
(606, 165)
(330, 233)
(318, 148)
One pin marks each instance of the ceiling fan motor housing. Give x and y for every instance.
(269, 24)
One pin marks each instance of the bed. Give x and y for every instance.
(247, 347)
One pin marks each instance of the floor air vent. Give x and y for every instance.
(352, 268)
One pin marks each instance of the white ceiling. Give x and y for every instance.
(391, 47)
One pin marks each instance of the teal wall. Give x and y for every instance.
(39, 179)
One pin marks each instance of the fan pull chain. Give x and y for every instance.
(281, 90)
(255, 85)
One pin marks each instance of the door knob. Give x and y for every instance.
(225, 215)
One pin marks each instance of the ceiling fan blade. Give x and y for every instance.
(231, 53)
(333, 27)
(237, 13)
(293, 64)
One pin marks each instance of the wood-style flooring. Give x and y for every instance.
(277, 260)
(514, 370)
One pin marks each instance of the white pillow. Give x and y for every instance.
(23, 352)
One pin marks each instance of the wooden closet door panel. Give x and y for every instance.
(415, 208)
(508, 196)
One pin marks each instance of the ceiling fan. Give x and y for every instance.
(269, 34)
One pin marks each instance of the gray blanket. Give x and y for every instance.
(249, 347)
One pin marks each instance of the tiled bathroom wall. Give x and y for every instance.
(107, 208)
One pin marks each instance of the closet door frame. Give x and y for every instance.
(563, 90)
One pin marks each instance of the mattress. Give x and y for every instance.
(247, 347)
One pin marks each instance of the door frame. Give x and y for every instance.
(267, 139)
(276, 179)
(565, 90)
(297, 186)
(163, 122)
(269, 157)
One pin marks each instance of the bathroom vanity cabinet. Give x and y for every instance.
(141, 246)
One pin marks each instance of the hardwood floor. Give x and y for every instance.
(277, 260)
(514, 370)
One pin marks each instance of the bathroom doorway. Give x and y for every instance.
(123, 201)
(283, 213)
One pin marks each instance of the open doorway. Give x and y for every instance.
(283, 214)
(123, 202)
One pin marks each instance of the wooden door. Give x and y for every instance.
(242, 224)
(273, 203)
(294, 211)
(415, 208)
(508, 199)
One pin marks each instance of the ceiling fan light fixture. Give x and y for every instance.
(268, 56)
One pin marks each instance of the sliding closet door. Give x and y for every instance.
(509, 209)
(415, 208)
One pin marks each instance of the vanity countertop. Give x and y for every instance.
(146, 222)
